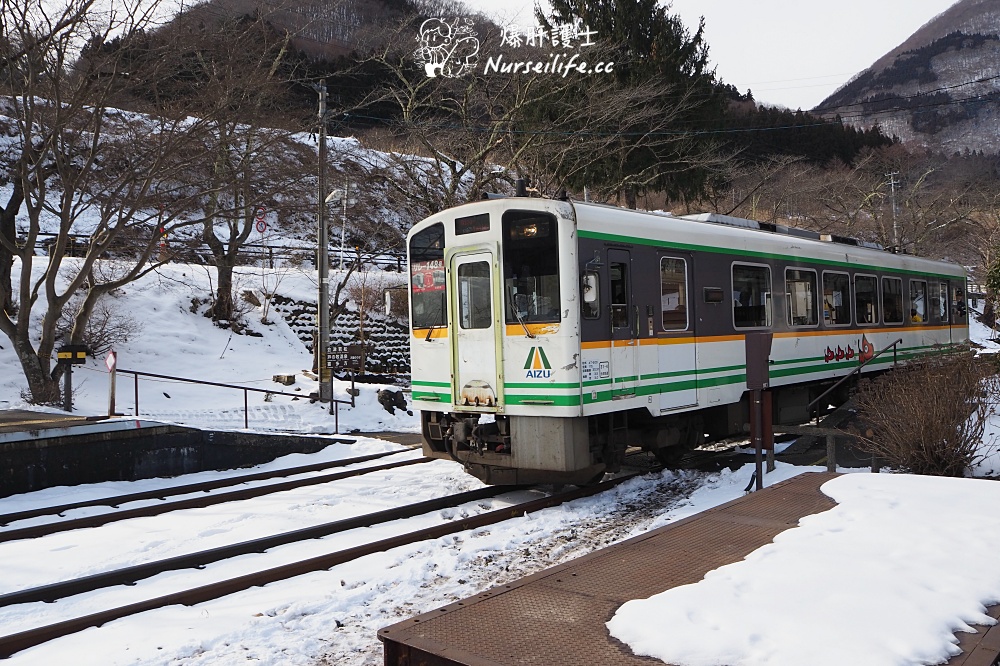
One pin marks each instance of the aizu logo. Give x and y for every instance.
(537, 364)
(447, 49)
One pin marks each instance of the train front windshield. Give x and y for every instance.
(428, 288)
(530, 267)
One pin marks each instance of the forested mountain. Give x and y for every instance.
(937, 90)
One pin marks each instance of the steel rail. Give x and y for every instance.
(129, 575)
(14, 643)
(35, 531)
(162, 493)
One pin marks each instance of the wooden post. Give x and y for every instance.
(111, 392)
(68, 388)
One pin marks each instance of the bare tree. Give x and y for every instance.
(453, 133)
(82, 169)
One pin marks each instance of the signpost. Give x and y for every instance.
(68, 356)
(345, 357)
(112, 362)
(758, 352)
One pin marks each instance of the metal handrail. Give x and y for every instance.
(246, 389)
(854, 371)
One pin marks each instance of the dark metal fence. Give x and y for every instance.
(334, 404)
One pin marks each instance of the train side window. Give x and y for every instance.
(940, 302)
(918, 301)
(800, 293)
(618, 271)
(673, 293)
(866, 299)
(591, 290)
(892, 300)
(428, 290)
(836, 299)
(474, 295)
(751, 296)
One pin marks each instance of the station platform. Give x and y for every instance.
(557, 617)
(44, 449)
(18, 425)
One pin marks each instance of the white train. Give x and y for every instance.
(549, 335)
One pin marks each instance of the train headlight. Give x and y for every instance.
(527, 230)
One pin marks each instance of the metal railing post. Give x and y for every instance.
(135, 395)
(246, 408)
(831, 453)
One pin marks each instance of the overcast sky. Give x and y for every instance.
(792, 53)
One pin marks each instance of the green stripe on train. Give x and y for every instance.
(542, 400)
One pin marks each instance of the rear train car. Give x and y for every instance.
(547, 336)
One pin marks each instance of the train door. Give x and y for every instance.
(624, 327)
(475, 379)
(675, 330)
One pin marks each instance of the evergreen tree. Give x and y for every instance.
(651, 47)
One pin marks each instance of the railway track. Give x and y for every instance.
(206, 500)
(13, 643)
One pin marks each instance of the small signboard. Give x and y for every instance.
(758, 352)
(111, 361)
(344, 357)
(73, 354)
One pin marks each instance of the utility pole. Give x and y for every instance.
(343, 222)
(895, 224)
(322, 259)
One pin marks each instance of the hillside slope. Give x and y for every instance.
(938, 89)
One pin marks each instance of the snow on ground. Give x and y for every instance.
(882, 578)
(910, 530)
(172, 341)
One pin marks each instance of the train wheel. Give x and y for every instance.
(688, 437)
(669, 456)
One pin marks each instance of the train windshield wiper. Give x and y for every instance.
(430, 331)
(513, 307)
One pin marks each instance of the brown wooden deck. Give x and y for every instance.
(557, 617)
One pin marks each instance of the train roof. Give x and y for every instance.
(748, 237)
(628, 225)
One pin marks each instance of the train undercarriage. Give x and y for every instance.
(515, 450)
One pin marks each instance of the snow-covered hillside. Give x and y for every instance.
(172, 340)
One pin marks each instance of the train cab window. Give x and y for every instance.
(530, 267)
(958, 310)
(428, 289)
(892, 300)
(673, 293)
(918, 302)
(939, 302)
(836, 299)
(800, 294)
(474, 295)
(865, 299)
(751, 296)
